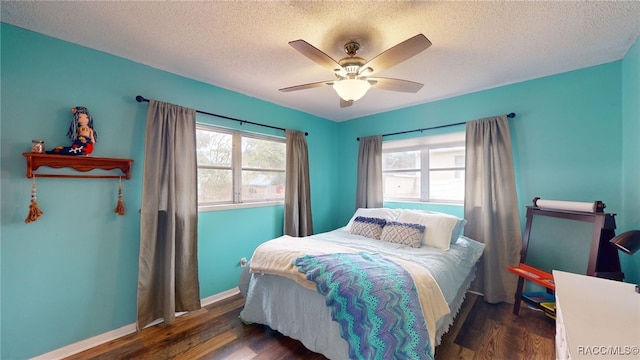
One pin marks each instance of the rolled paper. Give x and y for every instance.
(567, 205)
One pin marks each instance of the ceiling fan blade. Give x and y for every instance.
(317, 55)
(395, 84)
(345, 103)
(307, 86)
(398, 53)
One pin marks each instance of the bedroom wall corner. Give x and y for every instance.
(630, 214)
(67, 276)
(566, 135)
(72, 274)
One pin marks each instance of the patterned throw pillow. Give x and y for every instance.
(403, 233)
(368, 226)
(381, 213)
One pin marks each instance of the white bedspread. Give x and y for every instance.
(449, 268)
(295, 310)
(275, 257)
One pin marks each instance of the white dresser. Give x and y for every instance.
(596, 318)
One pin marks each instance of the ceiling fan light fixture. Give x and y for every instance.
(351, 89)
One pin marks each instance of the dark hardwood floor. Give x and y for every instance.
(481, 331)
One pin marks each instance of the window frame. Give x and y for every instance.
(424, 145)
(237, 169)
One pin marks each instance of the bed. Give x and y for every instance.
(299, 286)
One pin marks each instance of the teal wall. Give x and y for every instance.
(630, 215)
(72, 274)
(566, 134)
(575, 137)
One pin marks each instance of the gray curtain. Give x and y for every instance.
(369, 182)
(491, 206)
(168, 263)
(297, 193)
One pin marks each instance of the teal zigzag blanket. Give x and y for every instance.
(375, 302)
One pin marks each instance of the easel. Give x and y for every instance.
(603, 258)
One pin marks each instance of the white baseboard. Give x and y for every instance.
(219, 296)
(87, 343)
(83, 345)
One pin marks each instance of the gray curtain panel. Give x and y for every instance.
(168, 264)
(491, 206)
(369, 186)
(297, 193)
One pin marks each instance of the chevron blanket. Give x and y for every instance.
(375, 302)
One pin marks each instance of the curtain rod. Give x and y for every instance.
(142, 99)
(509, 115)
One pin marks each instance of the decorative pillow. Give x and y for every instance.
(367, 226)
(403, 233)
(441, 227)
(381, 213)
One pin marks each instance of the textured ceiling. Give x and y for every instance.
(243, 46)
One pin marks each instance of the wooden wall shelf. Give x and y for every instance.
(78, 163)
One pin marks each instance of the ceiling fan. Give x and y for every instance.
(353, 73)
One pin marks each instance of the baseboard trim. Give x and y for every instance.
(219, 296)
(83, 345)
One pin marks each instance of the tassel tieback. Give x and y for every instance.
(34, 209)
(120, 206)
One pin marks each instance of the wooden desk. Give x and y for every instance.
(596, 318)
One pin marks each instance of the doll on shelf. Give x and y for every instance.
(81, 132)
(82, 145)
(81, 117)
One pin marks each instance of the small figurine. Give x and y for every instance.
(81, 132)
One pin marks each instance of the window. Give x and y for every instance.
(429, 169)
(236, 167)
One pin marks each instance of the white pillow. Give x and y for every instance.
(439, 227)
(457, 230)
(381, 213)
